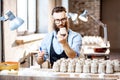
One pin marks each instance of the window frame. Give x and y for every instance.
(28, 14)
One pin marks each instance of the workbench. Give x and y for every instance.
(48, 74)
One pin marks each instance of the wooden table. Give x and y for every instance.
(48, 74)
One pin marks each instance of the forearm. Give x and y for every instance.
(69, 52)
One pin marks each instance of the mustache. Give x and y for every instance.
(61, 25)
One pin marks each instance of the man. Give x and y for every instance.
(55, 46)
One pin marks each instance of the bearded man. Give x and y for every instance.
(62, 42)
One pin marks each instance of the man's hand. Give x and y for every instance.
(40, 58)
(41, 54)
(68, 50)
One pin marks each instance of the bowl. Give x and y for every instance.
(101, 49)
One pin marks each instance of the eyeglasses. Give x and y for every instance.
(57, 21)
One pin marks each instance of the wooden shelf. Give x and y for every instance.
(28, 38)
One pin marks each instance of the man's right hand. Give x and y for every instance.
(41, 54)
(40, 58)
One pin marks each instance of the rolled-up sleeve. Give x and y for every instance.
(45, 45)
(75, 42)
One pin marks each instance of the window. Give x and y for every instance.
(26, 9)
(43, 16)
(35, 16)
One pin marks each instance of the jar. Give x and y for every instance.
(109, 68)
(116, 65)
(79, 67)
(94, 67)
(63, 66)
(56, 67)
(71, 66)
(101, 68)
(86, 68)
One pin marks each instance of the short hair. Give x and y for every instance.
(58, 9)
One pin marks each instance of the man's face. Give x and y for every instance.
(60, 19)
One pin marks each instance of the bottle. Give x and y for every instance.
(63, 31)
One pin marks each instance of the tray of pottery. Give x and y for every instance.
(9, 65)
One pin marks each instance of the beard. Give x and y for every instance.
(56, 28)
